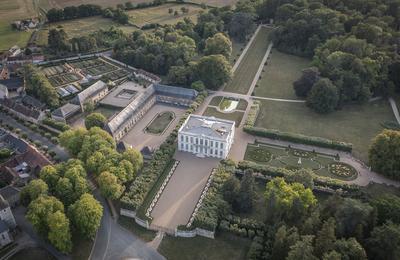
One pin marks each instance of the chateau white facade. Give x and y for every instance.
(206, 136)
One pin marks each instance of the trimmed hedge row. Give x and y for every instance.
(136, 193)
(207, 216)
(298, 138)
(319, 181)
(57, 125)
(244, 227)
(252, 115)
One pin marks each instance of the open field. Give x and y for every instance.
(278, 76)
(234, 116)
(356, 124)
(82, 26)
(11, 10)
(224, 246)
(160, 15)
(47, 4)
(245, 73)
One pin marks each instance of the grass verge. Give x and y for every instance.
(224, 246)
(139, 231)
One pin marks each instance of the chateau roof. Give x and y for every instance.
(66, 110)
(208, 126)
(90, 91)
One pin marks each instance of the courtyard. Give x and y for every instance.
(138, 137)
(179, 198)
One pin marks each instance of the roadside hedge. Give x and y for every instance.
(136, 193)
(298, 138)
(319, 181)
(252, 115)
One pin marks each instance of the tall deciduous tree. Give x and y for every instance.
(85, 214)
(214, 71)
(95, 119)
(109, 186)
(385, 242)
(303, 249)
(218, 44)
(384, 154)
(59, 231)
(323, 97)
(33, 190)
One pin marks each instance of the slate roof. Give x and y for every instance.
(208, 126)
(3, 203)
(32, 102)
(8, 192)
(19, 107)
(3, 226)
(12, 84)
(66, 110)
(143, 97)
(90, 91)
(15, 143)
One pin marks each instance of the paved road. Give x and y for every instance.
(61, 153)
(394, 108)
(115, 242)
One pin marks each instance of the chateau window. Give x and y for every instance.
(182, 138)
(191, 139)
(220, 153)
(187, 139)
(201, 141)
(197, 141)
(206, 142)
(182, 146)
(222, 145)
(191, 148)
(211, 143)
(211, 151)
(216, 152)
(186, 146)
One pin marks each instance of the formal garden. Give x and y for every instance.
(160, 123)
(93, 66)
(295, 159)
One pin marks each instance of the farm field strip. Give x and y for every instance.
(247, 69)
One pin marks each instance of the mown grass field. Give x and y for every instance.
(83, 26)
(237, 48)
(356, 124)
(11, 10)
(106, 3)
(160, 14)
(244, 74)
(224, 246)
(234, 116)
(278, 76)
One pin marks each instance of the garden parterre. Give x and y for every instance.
(294, 159)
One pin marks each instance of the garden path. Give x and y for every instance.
(394, 108)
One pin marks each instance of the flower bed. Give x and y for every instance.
(258, 154)
(342, 170)
(300, 153)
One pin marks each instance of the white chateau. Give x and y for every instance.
(206, 136)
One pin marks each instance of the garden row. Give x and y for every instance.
(290, 137)
(142, 187)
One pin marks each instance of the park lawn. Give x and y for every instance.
(280, 73)
(82, 26)
(10, 37)
(108, 112)
(224, 246)
(130, 224)
(160, 122)
(237, 48)
(247, 69)
(234, 116)
(356, 124)
(82, 247)
(160, 15)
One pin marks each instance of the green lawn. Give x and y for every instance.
(82, 247)
(33, 253)
(141, 232)
(215, 101)
(224, 246)
(81, 27)
(160, 14)
(244, 74)
(356, 124)
(10, 37)
(160, 122)
(234, 116)
(237, 48)
(280, 73)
